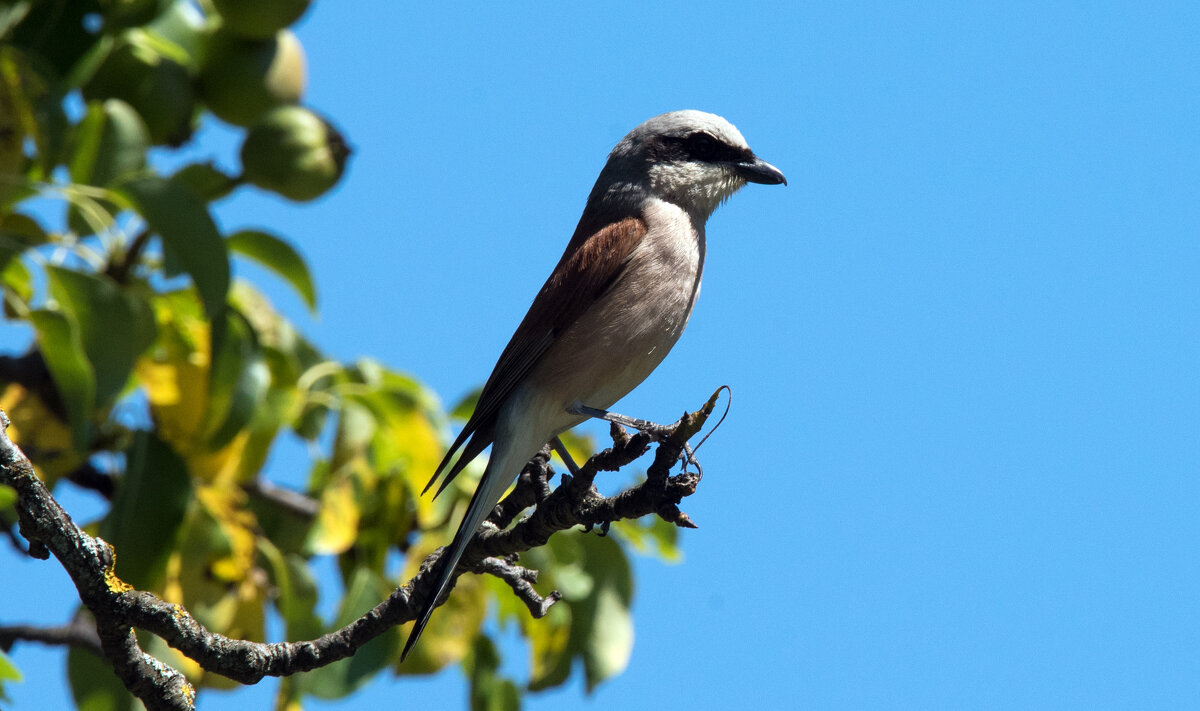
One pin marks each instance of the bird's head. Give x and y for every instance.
(690, 158)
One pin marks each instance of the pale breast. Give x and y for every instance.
(632, 327)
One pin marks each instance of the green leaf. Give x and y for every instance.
(189, 237)
(148, 511)
(94, 686)
(14, 275)
(108, 144)
(296, 592)
(240, 380)
(605, 620)
(115, 326)
(651, 535)
(22, 229)
(278, 256)
(366, 590)
(61, 346)
(8, 670)
(466, 406)
(594, 576)
(489, 690)
(17, 280)
(11, 14)
(206, 180)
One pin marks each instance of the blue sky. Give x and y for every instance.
(963, 462)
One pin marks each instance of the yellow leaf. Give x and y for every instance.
(337, 523)
(226, 504)
(416, 449)
(44, 438)
(175, 372)
(177, 389)
(549, 642)
(222, 467)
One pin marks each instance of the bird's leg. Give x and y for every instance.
(561, 450)
(651, 428)
(656, 431)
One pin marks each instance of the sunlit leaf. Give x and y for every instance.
(278, 256)
(651, 535)
(62, 348)
(466, 406)
(115, 326)
(336, 526)
(144, 521)
(10, 14)
(605, 619)
(14, 275)
(8, 497)
(8, 670)
(408, 445)
(42, 433)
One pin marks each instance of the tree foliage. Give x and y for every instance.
(159, 381)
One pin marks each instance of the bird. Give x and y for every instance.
(614, 305)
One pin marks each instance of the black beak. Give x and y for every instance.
(756, 170)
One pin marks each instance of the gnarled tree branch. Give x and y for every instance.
(118, 609)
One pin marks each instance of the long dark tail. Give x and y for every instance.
(487, 494)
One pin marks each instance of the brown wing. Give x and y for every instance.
(591, 263)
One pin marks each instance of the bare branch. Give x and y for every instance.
(521, 581)
(303, 506)
(79, 632)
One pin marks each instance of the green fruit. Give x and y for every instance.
(242, 79)
(158, 88)
(259, 19)
(295, 153)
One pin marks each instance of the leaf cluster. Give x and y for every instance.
(163, 383)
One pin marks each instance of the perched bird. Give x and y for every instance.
(614, 305)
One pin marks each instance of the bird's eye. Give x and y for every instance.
(702, 146)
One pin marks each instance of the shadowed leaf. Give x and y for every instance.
(61, 346)
(115, 326)
(189, 237)
(149, 507)
(94, 686)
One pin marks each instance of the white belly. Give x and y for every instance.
(625, 335)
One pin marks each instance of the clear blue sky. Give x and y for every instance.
(962, 468)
